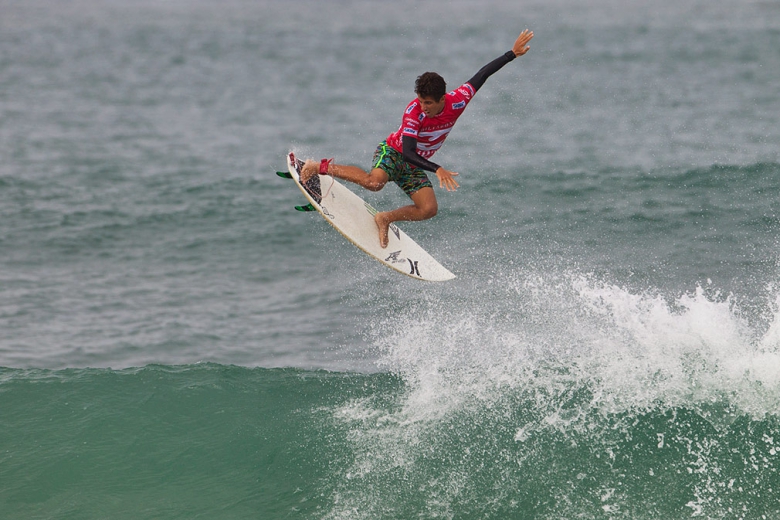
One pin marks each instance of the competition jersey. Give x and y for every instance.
(431, 132)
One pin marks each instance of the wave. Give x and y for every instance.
(546, 397)
(169, 441)
(568, 397)
(537, 392)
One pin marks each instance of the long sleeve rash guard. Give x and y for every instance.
(453, 107)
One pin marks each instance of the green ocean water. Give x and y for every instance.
(177, 342)
(214, 441)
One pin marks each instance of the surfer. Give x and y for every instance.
(404, 156)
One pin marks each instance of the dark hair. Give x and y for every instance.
(430, 85)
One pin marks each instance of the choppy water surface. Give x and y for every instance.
(177, 341)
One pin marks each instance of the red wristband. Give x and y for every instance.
(324, 166)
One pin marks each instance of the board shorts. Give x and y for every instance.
(408, 177)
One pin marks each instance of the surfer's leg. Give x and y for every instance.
(425, 206)
(374, 180)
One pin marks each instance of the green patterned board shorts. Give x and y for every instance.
(408, 177)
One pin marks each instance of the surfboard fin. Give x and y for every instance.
(307, 207)
(284, 175)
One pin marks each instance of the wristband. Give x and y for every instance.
(324, 166)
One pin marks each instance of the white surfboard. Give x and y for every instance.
(354, 218)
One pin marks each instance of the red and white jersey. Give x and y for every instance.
(431, 132)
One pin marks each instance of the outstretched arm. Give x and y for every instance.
(518, 49)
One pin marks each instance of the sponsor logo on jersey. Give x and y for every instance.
(410, 131)
(459, 105)
(411, 107)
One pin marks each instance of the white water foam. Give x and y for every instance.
(632, 350)
(568, 350)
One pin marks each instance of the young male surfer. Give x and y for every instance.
(405, 155)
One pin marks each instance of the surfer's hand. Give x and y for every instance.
(446, 179)
(521, 44)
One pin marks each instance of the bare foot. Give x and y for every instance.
(384, 225)
(308, 170)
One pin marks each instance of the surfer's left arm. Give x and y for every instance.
(518, 49)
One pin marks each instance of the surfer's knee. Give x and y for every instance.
(429, 209)
(374, 185)
(375, 180)
(425, 201)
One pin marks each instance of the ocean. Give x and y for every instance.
(176, 341)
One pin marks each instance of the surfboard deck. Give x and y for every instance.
(354, 219)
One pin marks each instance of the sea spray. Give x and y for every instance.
(587, 399)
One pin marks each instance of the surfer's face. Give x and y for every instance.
(430, 106)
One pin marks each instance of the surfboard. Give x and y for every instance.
(354, 219)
